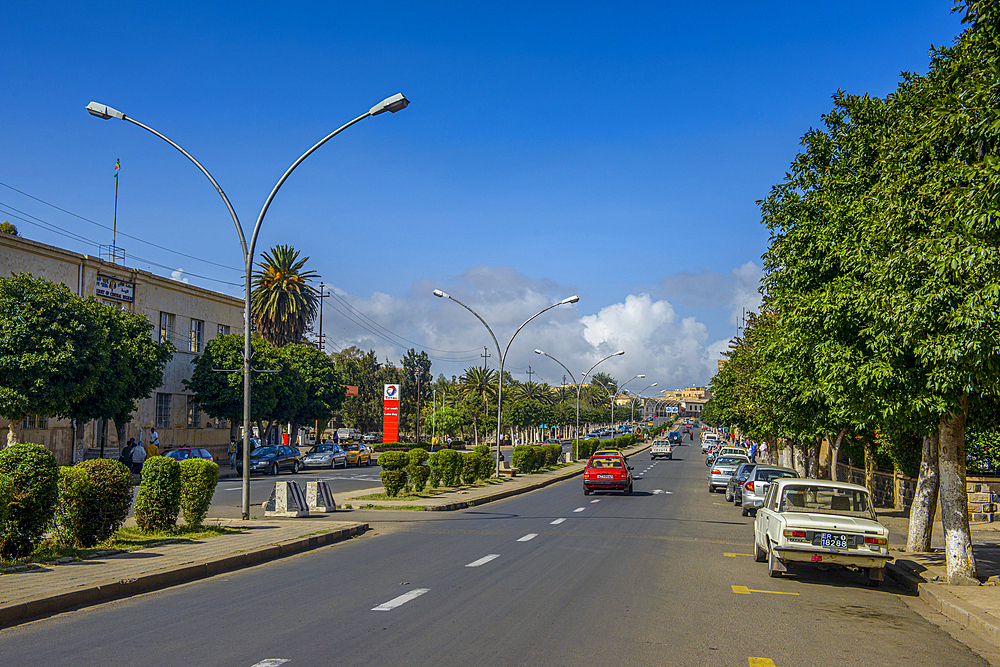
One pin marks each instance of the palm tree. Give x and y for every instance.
(542, 394)
(283, 303)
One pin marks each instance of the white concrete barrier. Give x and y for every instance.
(286, 500)
(319, 498)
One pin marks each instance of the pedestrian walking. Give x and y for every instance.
(126, 454)
(138, 457)
(232, 452)
(154, 438)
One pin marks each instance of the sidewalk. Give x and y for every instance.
(470, 496)
(975, 607)
(50, 589)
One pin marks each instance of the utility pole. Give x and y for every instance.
(321, 337)
(530, 372)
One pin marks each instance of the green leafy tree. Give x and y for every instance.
(8, 228)
(316, 375)
(415, 389)
(283, 302)
(53, 349)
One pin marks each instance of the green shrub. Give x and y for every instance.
(524, 459)
(552, 453)
(470, 468)
(417, 456)
(393, 460)
(434, 468)
(159, 499)
(417, 472)
(487, 465)
(483, 450)
(393, 481)
(451, 467)
(35, 476)
(71, 506)
(198, 480)
(458, 444)
(109, 497)
(6, 497)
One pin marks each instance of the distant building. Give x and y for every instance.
(688, 394)
(185, 315)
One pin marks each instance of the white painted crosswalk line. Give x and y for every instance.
(483, 561)
(402, 599)
(271, 662)
(557, 522)
(579, 509)
(529, 536)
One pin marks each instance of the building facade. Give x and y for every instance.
(184, 315)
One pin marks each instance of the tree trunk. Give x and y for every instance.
(814, 457)
(924, 505)
(955, 499)
(870, 465)
(799, 454)
(835, 453)
(14, 430)
(78, 441)
(823, 469)
(120, 427)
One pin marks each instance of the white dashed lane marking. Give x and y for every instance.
(483, 561)
(271, 662)
(595, 501)
(402, 599)
(557, 522)
(579, 509)
(529, 536)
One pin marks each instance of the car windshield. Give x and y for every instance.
(826, 500)
(730, 461)
(320, 449)
(264, 451)
(605, 462)
(766, 475)
(352, 447)
(179, 454)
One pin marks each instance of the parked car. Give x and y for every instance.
(819, 522)
(181, 453)
(552, 441)
(607, 472)
(325, 456)
(751, 493)
(372, 438)
(345, 435)
(722, 469)
(357, 454)
(272, 459)
(737, 479)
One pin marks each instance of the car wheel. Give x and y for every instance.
(772, 560)
(746, 512)
(586, 491)
(368, 461)
(333, 463)
(670, 457)
(711, 489)
(759, 555)
(729, 498)
(628, 491)
(295, 468)
(873, 582)
(274, 468)
(738, 500)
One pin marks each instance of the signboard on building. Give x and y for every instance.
(109, 287)
(390, 413)
(351, 389)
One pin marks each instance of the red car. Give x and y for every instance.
(607, 472)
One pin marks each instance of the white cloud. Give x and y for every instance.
(669, 349)
(178, 275)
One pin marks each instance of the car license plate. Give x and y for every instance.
(604, 477)
(832, 541)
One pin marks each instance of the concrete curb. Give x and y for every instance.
(112, 590)
(980, 622)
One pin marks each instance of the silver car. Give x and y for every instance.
(753, 490)
(325, 456)
(722, 469)
(736, 482)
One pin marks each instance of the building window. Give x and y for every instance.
(163, 410)
(197, 336)
(193, 412)
(36, 421)
(167, 328)
(221, 423)
(223, 330)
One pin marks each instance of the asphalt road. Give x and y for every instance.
(340, 480)
(550, 578)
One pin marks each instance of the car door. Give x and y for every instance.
(762, 521)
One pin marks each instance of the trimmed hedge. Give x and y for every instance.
(416, 470)
(35, 476)
(6, 497)
(393, 460)
(109, 496)
(450, 464)
(159, 498)
(393, 475)
(524, 459)
(434, 468)
(71, 506)
(198, 478)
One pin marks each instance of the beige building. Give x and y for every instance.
(688, 394)
(182, 314)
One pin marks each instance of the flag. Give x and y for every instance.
(118, 165)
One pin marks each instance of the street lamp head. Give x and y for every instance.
(640, 376)
(393, 104)
(654, 384)
(539, 352)
(443, 295)
(570, 299)
(104, 112)
(618, 353)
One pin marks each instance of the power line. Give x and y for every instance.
(134, 238)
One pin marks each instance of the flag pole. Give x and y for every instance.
(114, 228)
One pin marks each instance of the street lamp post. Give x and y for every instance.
(579, 386)
(393, 104)
(638, 395)
(503, 355)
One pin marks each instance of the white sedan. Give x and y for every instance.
(819, 522)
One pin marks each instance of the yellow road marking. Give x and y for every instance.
(718, 503)
(743, 590)
(727, 555)
(761, 662)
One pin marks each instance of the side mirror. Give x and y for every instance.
(631, 468)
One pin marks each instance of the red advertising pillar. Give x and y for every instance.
(390, 413)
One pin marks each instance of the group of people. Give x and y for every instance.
(135, 453)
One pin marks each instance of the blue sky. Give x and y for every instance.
(550, 149)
